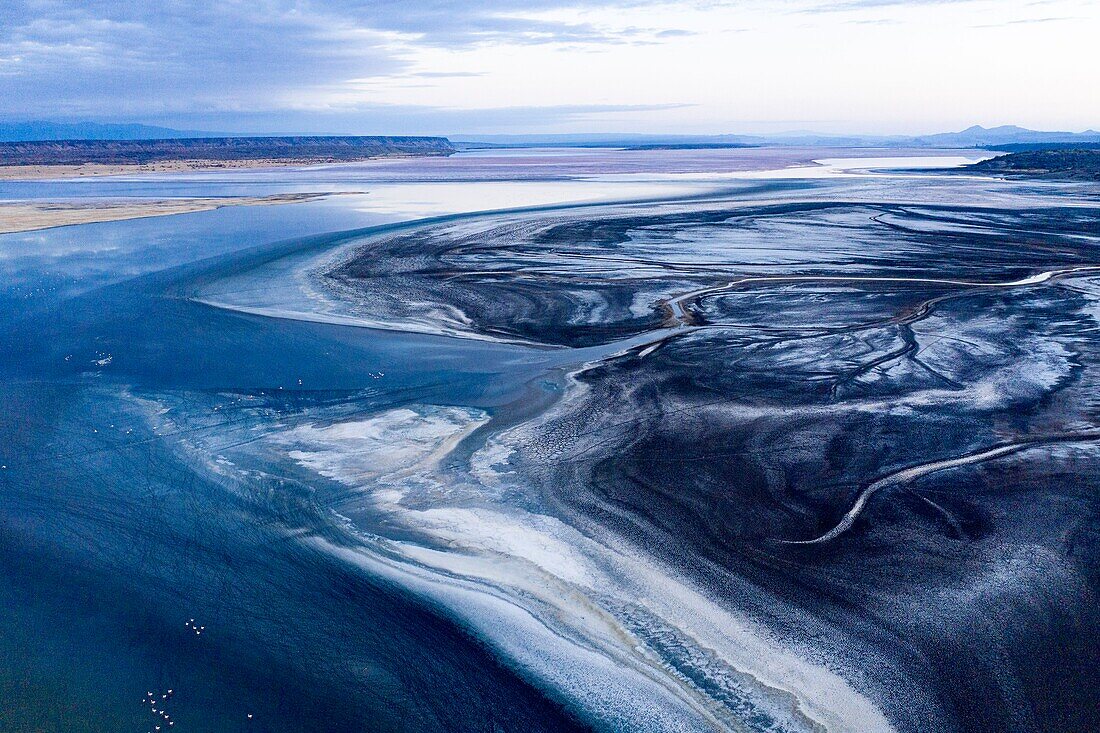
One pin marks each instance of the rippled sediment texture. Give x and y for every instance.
(808, 463)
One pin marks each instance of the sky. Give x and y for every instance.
(553, 66)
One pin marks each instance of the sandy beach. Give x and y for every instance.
(28, 216)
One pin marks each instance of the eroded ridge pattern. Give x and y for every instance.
(814, 463)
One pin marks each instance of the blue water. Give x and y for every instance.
(110, 543)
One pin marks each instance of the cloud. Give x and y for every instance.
(379, 64)
(1024, 21)
(91, 57)
(447, 74)
(413, 119)
(848, 5)
(454, 23)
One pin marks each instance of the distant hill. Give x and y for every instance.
(972, 137)
(978, 136)
(1079, 165)
(304, 149)
(43, 130)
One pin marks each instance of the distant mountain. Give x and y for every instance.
(977, 137)
(44, 130)
(972, 137)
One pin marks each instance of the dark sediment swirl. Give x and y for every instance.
(816, 348)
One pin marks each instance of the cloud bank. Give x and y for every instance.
(432, 65)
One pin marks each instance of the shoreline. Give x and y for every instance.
(27, 216)
(46, 171)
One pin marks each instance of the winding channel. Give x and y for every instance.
(908, 475)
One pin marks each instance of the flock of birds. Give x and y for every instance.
(158, 703)
(160, 713)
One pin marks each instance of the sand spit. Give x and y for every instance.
(86, 170)
(27, 216)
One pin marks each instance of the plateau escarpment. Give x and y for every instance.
(63, 158)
